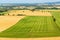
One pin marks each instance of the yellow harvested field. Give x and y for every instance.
(48, 38)
(29, 13)
(7, 21)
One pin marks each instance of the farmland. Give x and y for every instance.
(7, 21)
(57, 17)
(29, 21)
(32, 26)
(28, 12)
(39, 23)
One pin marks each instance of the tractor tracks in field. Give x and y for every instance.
(55, 24)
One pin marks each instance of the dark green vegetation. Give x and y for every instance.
(3, 13)
(33, 26)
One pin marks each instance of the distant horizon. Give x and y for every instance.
(27, 1)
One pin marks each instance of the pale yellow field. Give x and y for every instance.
(29, 13)
(7, 21)
(48, 38)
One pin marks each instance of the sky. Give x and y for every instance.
(26, 1)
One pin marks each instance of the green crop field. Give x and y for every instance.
(33, 26)
(57, 17)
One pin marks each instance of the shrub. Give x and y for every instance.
(20, 14)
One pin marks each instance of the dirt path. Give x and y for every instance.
(48, 38)
(7, 21)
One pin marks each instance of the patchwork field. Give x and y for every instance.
(32, 26)
(7, 21)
